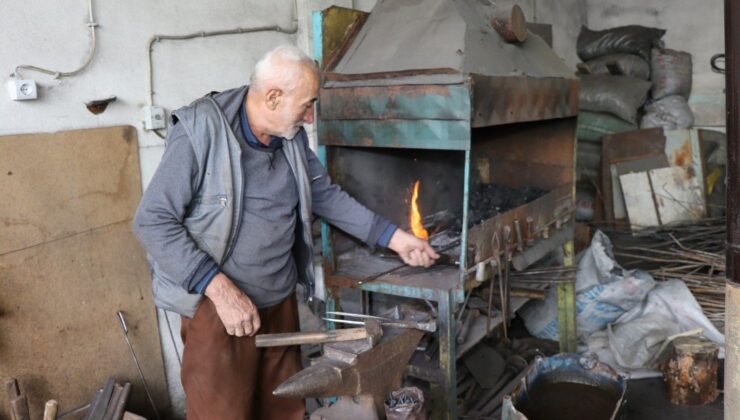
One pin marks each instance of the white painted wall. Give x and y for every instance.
(53, 34)
(695, 27)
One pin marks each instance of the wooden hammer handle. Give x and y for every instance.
(292, 339)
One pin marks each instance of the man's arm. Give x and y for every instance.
(338, 208)
(158, 223)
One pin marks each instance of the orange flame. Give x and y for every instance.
(416, 226)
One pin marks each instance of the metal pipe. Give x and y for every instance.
(204, 34)
(732, 322)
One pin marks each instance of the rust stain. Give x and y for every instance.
(682, 157)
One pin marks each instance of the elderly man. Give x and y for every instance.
(226, 222)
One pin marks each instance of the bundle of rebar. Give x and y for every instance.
(694, 253)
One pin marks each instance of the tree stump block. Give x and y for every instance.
(511, 25)
(691, 372)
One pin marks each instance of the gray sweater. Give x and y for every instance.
(261, 264)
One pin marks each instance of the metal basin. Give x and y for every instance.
(567, 387)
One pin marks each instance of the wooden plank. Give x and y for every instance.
(292, 339)
(70, 277)
(638, 199)
(61, 184)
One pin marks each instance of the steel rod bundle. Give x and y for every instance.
(694, 253)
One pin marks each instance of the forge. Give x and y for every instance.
(431, 91)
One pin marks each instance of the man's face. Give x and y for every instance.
(298, 107)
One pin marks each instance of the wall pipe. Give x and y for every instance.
(204, 34)
(57, 74)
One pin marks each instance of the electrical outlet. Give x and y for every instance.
(22, 90)
(154, 118)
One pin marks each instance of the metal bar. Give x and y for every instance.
(732, 326)
(326, 248)
(566, 306)
(97, 410)
(732, 75)
(447, 362)
(464, 235)
(138, 366)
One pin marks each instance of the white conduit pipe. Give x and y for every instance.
(203, 34)
(57, 74)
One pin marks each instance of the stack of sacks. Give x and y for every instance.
(615, 78)
(621, 66)
(625, 73)
(671, 77)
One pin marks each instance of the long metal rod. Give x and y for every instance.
(136, 360)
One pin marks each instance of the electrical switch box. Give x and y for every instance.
(22, 90)
(154, 118)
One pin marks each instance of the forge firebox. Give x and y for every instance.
(430, 91)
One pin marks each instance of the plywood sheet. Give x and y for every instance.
(638, 200)
(59, 184)
(678, 195)
(71, 265)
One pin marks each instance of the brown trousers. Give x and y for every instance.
(227, 377)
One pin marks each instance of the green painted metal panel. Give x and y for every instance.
(567, 306)
(415, 134)
(413, 102)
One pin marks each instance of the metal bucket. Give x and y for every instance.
(567, 386)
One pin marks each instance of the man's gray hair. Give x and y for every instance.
(281, 68)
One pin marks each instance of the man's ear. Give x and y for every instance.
(273, 98)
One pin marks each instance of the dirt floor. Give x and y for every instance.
(647, 400)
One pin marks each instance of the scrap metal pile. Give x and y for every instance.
(694, 253)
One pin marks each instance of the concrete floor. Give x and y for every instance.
(647, 400)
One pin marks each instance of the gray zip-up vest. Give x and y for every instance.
(214, 216)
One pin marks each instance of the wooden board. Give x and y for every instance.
(68, 267)
(679, 195)
(60, 184)
(638, 199)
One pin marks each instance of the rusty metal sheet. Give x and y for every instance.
(512, 99)
(554, 207)
(414, 134)
(621, 147)
(537, 154)
(339, 28)
(446, 102)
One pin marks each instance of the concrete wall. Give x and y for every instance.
(54, 35)
(697, 28)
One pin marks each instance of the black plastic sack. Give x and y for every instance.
(671, 73)
(618, 64)
(632, 39)
(671, 112)
(621, 96)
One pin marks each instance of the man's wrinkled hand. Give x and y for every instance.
(236, 311)
(412, 250)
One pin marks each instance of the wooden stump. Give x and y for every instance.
(691, 373)
(511, 25)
